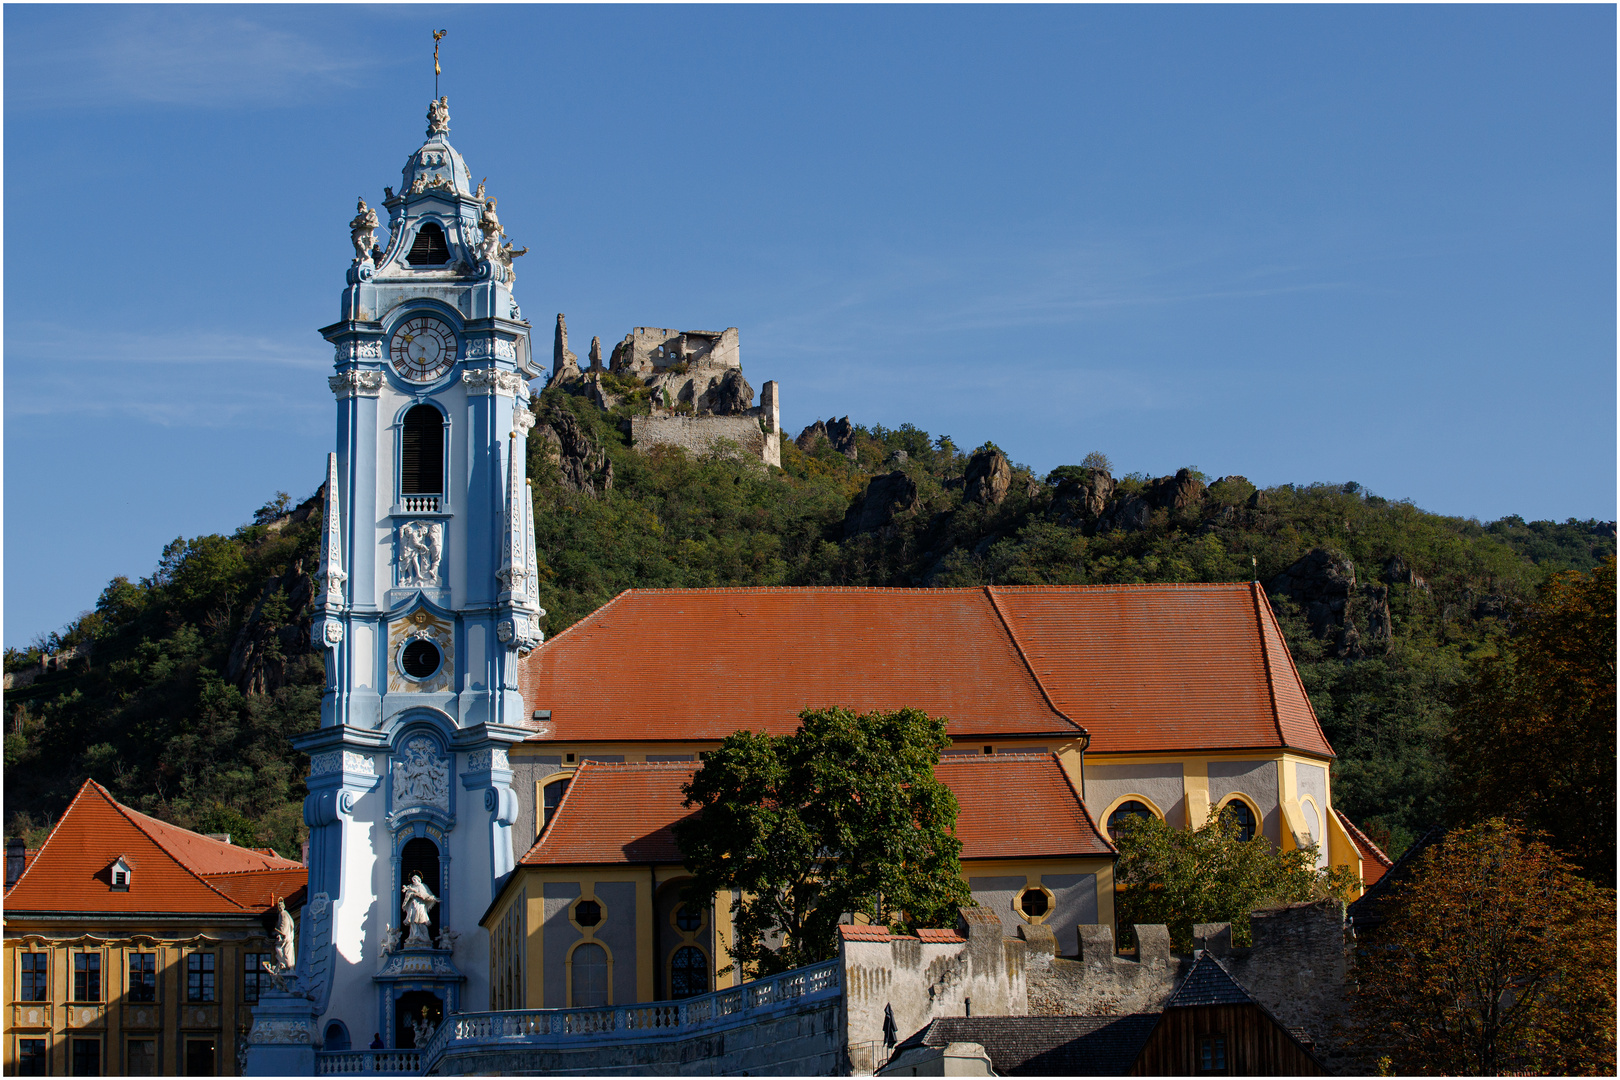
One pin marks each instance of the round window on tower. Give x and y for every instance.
(420, 659)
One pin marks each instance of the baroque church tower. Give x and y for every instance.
(427, 600)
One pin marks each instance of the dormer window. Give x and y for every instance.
(429, 248)
(119, 873)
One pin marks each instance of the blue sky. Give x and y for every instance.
(1373, 243)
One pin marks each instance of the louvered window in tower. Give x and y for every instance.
(421, 453)
(429, 249)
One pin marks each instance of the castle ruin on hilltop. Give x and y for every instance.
(699, 396)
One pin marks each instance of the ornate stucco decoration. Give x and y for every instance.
(421, 623)
(359, 350)
(483, 760)
(481, 347)
(421, 776)
(421, 547)
(522, 419)
(490, 381)
(349, 384)
(332, 761)
(290, 1032)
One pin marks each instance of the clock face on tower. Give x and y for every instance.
(423, 348)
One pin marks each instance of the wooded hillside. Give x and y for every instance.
(188, 682)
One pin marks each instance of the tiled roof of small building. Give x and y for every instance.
(1010, 805)
(928, 935)
(172, 870)
(1046, 1045)
(1208, 983)
(1141, 667)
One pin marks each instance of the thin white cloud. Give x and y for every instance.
(32, 343)
(183, 55)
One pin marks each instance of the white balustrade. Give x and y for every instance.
(421, 504)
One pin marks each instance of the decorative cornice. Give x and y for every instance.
(349, 384)
(492, 381)
(522, 419)
(481, 347)
(348, 761)
(358, 350)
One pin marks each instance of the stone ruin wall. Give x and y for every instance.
(1298, 967)
(698, 374)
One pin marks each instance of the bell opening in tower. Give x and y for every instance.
(429, 248)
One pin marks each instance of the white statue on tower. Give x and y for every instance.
(418, 900)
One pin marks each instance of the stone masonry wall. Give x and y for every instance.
(699, 434)
(805, 1041)
(1297, 968)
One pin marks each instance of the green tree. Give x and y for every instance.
(1179, 877)
(843, 817)
(1495, 956)
(1534, 735)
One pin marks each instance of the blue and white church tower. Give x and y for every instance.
(427, 600)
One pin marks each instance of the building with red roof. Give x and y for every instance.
(600, 891)
(133, 946)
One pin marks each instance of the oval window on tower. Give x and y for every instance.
(420, 658)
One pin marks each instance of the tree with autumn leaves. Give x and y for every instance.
(1497, 952)
(1495, 957)
(1533, 739)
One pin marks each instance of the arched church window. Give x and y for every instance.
(590, 966)
(1125, 811)
(421, 457)
(1243, 816)
(429, 248)
(688, 973)
(421, 856)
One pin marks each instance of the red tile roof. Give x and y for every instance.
(617, 813)
(1374, 863)
(172, 870)
(1019, 806)
(703, 663)
(881, 933)
(1141, 667)
(1011, 806)
(1165, 667)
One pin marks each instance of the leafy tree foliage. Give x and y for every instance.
(1495, 957)
(1534, 737)
(843, 817)
(1179, 877)
(157, 715)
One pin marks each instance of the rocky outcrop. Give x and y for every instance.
(988, 476)
(581, 464)
(1323, 583)
(886, 496)
(732, 396)
(1083, 498)
(1131, 513)
(840, 435)
(1396, 572)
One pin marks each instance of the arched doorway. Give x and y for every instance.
(408, 1008)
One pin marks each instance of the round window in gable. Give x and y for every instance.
(688, 917)
(587, 913)
(1034, 903)
(420, 658)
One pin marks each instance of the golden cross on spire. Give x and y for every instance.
(437, 35)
